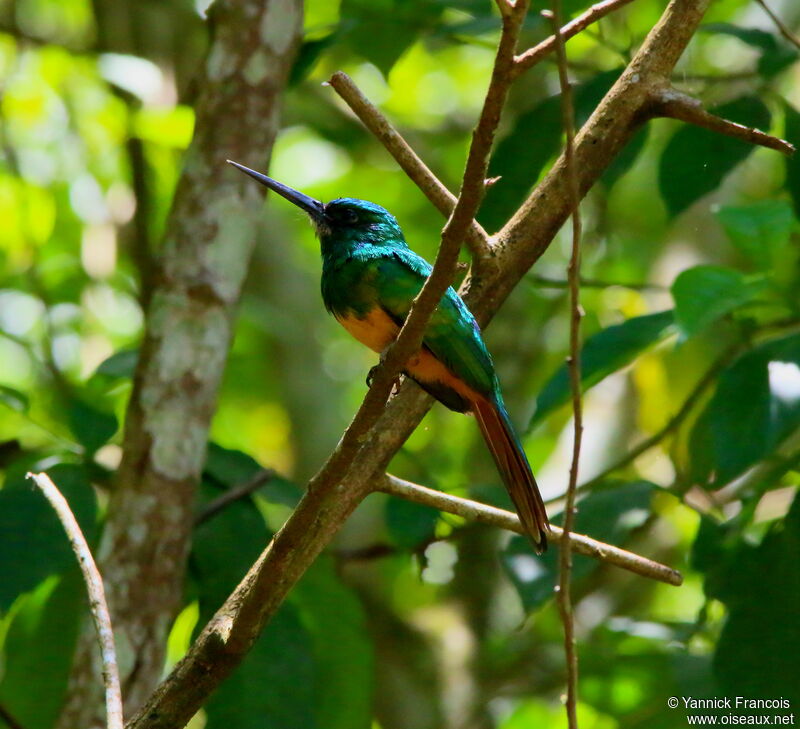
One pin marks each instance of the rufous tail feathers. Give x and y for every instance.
(514, 468)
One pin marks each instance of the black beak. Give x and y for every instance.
(313, 207)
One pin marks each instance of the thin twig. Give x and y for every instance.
(493, 516)
(763, 474)
(532, 56)
(591, 283)
(418, 172)
(212, 508)
(97, 598)
(675, 104)
(784, 31)
(708, 379)
(574, 366)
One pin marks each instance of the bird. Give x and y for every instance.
(370, 277)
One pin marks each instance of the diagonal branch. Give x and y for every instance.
(97, 597)
(532, 56)
(780, 25)
(707, 379)
(493, 516)
(236, 493)
(675, 104)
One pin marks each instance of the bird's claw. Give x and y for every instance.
(371, 374)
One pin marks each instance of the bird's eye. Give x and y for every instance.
(350, 216)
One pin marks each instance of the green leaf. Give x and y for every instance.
(758, 653)
(793, 162)
(704, 294)
(759, 230)
(308, 55)
(342, 648)
(410, 524)
(519, 159)
(168, 126)
(775, 54)
(370, 36)
(223, 549)
(275, 683)
(521, 156)
(603, 353)
(38, 650)
(759, 39)
(232, 468)
(92, 427)
(608, 515)
(119, 364)
(33, 544)
(756, 405)
(625, 159)
(696, 160)
(311, 667)
(14, 399)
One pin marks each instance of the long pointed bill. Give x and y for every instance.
(313, 207)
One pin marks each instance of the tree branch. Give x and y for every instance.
(502, 519)
(224, 641)
(574, 366)
(707, 379)
(418, 172)
(532, 56)
(781, 26)
(97, 597)
(675, 104)
(211, 509)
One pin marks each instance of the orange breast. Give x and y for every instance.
(424, 367)
(375, 330)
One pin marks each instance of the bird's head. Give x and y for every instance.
(341, 221)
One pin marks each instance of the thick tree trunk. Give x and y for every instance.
(208, 244)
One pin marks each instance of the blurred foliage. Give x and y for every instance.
(415, 619)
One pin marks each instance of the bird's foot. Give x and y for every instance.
(371, 374)
(371, 377)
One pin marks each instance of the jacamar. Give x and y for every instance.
(369, 279)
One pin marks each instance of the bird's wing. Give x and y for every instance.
(452, 335)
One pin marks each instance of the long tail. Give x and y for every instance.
(514, 468)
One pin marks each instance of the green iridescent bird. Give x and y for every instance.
(369, 278)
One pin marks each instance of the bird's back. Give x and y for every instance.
(388, 279)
